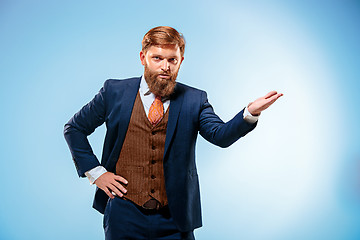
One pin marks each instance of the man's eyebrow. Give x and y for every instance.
(160, 55)
(172, 56)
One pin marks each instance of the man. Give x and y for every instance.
(147, 183)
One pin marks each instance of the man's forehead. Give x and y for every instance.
(171, 47)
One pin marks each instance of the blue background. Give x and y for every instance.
(296, 176)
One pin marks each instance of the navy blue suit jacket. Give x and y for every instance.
(189, 114)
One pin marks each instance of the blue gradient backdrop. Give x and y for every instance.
(297, 176)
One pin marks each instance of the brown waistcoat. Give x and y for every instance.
(141, 157)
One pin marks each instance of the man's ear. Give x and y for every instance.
(142, 58)
(182, 59)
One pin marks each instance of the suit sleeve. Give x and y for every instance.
(82, 124)
(213, 129)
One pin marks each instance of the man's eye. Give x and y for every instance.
(173, 60)
(156, 58)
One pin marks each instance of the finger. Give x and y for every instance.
(121, 179)
(115, 190)
(119, 186)
(273, 99)
(270, 94)
(108, 193)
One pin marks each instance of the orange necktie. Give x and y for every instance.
(156, 112)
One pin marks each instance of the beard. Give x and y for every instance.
(162, 87)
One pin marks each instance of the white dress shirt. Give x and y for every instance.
(147, 98)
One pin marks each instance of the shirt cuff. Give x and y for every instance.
(94, 173)
(250, 118)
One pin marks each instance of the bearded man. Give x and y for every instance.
(147, 183)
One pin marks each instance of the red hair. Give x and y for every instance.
(163, 35)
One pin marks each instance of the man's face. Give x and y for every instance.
(161, 67)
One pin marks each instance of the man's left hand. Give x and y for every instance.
(260, 104)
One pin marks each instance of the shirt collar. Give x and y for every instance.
(144, 88)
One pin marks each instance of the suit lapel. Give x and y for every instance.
(126, 106)
(175, 107)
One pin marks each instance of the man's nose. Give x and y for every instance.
(165, 65)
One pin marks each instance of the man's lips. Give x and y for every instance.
(164, 76)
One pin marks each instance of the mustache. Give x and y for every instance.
(167, 75)
(164, 73)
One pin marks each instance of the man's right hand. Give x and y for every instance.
(110, 183)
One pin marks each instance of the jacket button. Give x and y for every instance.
(153, 177)
(153, 133)
(153, 147)
(153, 161)
(152, 190)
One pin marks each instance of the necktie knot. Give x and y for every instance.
(156, 111)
